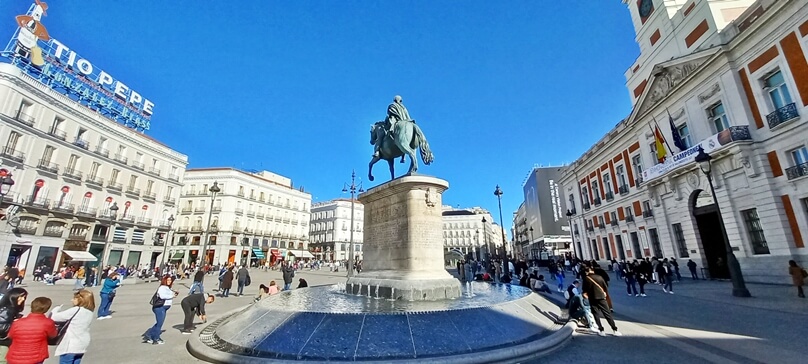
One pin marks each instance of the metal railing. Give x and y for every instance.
(86, 211)
(81, 143)
(58, 134)
(614, 223)
(629, 218)
(131, 190)
(154, 171)
(150, 196)
(199, 209)
(239, 211)
(12, 154)
(65, 207)
(638, 182)
(174, 177)
(72, 173)
(144, 221)
(25, 118)
(39, 202)
(169, 201)
(46, 165)
(609, 196)
(647, 213)
(623, 189)
(186, 210)
(94, 180)
(138, 165)
(797, 171)
(115, 186)
(587, 206)
(102, 152)
(783, 114)
(597, 201)
(121, 158)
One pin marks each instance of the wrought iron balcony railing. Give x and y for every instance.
(782, 115)
(47, 166)
(623, 190)
(797, 171)
(12, 154)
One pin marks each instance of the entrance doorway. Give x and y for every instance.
(606, 249)
(708, 223)
(621, 251)
(635, 244)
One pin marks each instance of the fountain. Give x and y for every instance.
(404, 307)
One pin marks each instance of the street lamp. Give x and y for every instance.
(535, 256)
(353, 188)
(738, 284)
(572, 236)
(165, 243)
(113, 214)
(498, 193)
(213, 190)
(6, 182)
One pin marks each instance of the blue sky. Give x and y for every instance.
(293, 86)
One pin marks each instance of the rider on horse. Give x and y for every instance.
(396, 112)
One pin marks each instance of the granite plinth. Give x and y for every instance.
(498, 323)
(403, 242)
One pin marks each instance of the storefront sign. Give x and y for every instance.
(63, 70)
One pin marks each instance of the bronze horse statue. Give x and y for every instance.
(406, 138)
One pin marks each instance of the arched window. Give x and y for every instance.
(86, 202)
(144, 211)
(39, 191)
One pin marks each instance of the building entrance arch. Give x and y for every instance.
(711, 232)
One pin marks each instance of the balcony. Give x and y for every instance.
(65, 208)
(216, 209)
(15, 155)
(196, 229)
(144, 221)
(77, 235)
(86, 211)
(56, 233)
(131, 190)
(199, 210)
(250, 213)
(102, 152)
(590, 228)
(81, 143)
(623, 190)
(169, 201)
(189, 193)
(239, 211)
(252, 197)
(629, 218)
(186, 210)
(577, 232)
(72, 173)
(638, 182)
(25, 118)
(797, 171)
(97, 237)
(150, 196)
(127, 218)
(587, 206)
(115, 186)
(782, 115)
(609, 196)
(138, 165)
(259, 216)
(164, 224)
(648, 213)
(121, 158)
(154, 171)
(182, 229)
(597, 201)
(615, 223)
(58, 134)
(174, 177)
(240, 194)
(41, 203)
(30, 230)
(213, 229)
(47, 166)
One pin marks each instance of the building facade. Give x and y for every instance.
(330, 229)
(69, 165)
(728, 77)
(464, 232)
(543, 221)
(256, 217)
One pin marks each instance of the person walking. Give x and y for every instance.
(629, 275)
(692, 266)
(11, 307)
(675, 266)
(243, 278)
(642, 277)
(29, 335)
(194, 305)
(226, 282)
(108, 290)
(667, 272)
(288, 274)
(198, 285)
(77, 335)
(594, 289)
(161, 303)
(798, 275)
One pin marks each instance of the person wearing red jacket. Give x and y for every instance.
(29, 335)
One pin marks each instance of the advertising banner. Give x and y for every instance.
(688, 156)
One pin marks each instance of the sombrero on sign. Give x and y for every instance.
(28, 22)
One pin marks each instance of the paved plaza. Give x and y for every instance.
(701, 322)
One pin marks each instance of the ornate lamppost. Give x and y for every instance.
(353, 188)
(498, 193)
(165, 243)
(572, 235)
(738, 285)
(113, 215)
(213, 190)
(6, 182)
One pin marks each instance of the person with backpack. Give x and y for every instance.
(243, 279)
(595, 291)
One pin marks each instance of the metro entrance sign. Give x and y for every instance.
(54, 64)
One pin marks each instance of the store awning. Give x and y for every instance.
(178, 255)
(301, 254)
(80, 256)
(275, 252)
(259, 253)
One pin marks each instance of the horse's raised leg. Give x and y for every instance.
(370, 167)
(392, 168)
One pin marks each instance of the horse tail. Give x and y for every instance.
(426, 153)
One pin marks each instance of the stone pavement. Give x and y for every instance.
(701, 322)
(118, 340)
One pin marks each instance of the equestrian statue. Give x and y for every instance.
(396, 136)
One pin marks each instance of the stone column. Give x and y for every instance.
(403, 242)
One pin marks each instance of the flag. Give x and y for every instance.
(677, 138)
(659, 141)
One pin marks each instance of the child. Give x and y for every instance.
(29, 335)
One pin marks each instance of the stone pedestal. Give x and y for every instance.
(403, 242)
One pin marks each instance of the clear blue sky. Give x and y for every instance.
(293, 86)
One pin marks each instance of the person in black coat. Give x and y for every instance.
(288, 274)
(227, 282)
(302, 283)
(11, 306)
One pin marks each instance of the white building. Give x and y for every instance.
(731, 78)
(70, 164)
(465, 232)
(255, 217)
(330, 229)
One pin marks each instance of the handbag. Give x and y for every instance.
(61, 330)
(156, 301)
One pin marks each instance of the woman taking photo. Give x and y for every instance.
(161, 302)
(111, 284)
(77, 336)
(11, 306)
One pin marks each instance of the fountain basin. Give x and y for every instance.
(497, 323)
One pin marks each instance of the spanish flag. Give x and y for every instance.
(659, 141)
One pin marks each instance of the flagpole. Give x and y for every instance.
(662, 135)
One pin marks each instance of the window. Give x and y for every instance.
(658, 247)
(149, 187)
(94, 170)
(47, 155)
(718, 117)
(601, 224)
(636, 161)
(799, 155)
(681, 245)
(646, 207)
(56, 128)
(595, 190)
(572, 203)
(755, 230)
(684, 133)
(132, 182)
(621, 178)
(607, 183)
(139, 157)
(80, 136)
(71, 164)
(654, 158)
(113, 178)
(775, 85)
(804, 202)
(169, 191)
(11, 144)
(585, 193)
